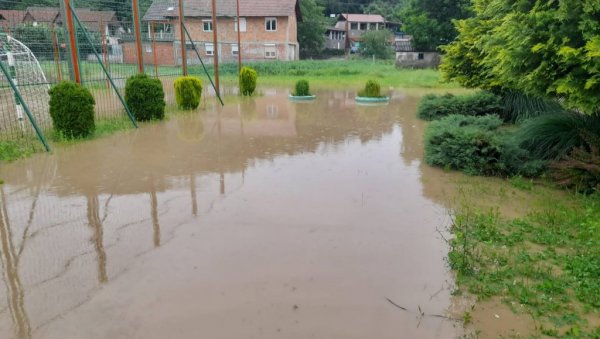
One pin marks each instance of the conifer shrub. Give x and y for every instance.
(372, 90)
(188, 91)
(72, 110)
(145, 97)
(302, 89)
(248, 78)
(433, 107)
(477, 146)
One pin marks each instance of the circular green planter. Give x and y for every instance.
(302, 97)
(369, 100)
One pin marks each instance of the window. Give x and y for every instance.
(271, 24)
(421, 56)
(363, 26)
(234, 49)
(210, 49)
(207, 25)
(354, 26)
(242, 24)
(270, 52)
(148, 48)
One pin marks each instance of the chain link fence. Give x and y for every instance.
(35, 46)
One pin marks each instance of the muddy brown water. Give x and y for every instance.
(263, 219)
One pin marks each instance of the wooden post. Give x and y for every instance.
(138, 35)
(155, 59)
(182, 34)
(239, 37)
(76, 74)
(56, 55)
(215, 46)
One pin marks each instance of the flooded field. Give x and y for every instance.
(263, 219)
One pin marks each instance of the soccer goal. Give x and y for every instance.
(23, 90)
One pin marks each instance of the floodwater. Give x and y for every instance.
(263, 219)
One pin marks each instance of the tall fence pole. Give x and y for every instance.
(112, 83)
(239, 37)
(153, 40)
(138, 35)
(74, 55)
(182, 37)
(103, 47)
(20, 100)
(215, 46)
(56, 54)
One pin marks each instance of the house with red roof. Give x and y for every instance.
(268, 30)
(349, 28)
(10, 18)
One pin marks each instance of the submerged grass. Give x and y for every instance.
(544, 265)
(103, 127)
(13, 150)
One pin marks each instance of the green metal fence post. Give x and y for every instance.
(37, 129)
(201, 62)
(87, 36)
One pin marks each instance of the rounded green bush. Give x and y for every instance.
(145, 97)
(248, 78)
(72, 110)
(372, 90)
(188, 91)
(302, 89)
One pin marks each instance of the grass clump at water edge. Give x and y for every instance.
(544, 265)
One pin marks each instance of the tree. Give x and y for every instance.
(311, 29)
(540, 48)
(430, 21)
(389, 9)
(376, 43)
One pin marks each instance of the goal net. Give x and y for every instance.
(26, 72)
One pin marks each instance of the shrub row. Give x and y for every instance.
(477, 146)
(433, 107)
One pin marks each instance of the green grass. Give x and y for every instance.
(335, 74)
(544, 265)
(13, 150)
(103, 128)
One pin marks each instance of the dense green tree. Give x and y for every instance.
(343, 6)
(542, 48)
(389, 9)
(311, 29)
(376, 43)
(430, 21)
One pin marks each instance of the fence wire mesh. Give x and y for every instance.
(104, 32)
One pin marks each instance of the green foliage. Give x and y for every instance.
(248, 78)
(39, 40)
(302, 88)
(376, 43)
(311, 30)
(145, 97)
(72, 110)
(555, 281)
(372, 90)
(546, 49)
(12, 150)
(188, 91)
(433, 107)
(555, 135)
(430, 21)
(519, 106)
(476, 145)
(389, 9)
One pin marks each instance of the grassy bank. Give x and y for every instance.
(335, 74)
(544, 265)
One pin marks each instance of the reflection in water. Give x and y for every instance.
(339, 179)
(10, 266)
(154, 212)
(93, 216)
